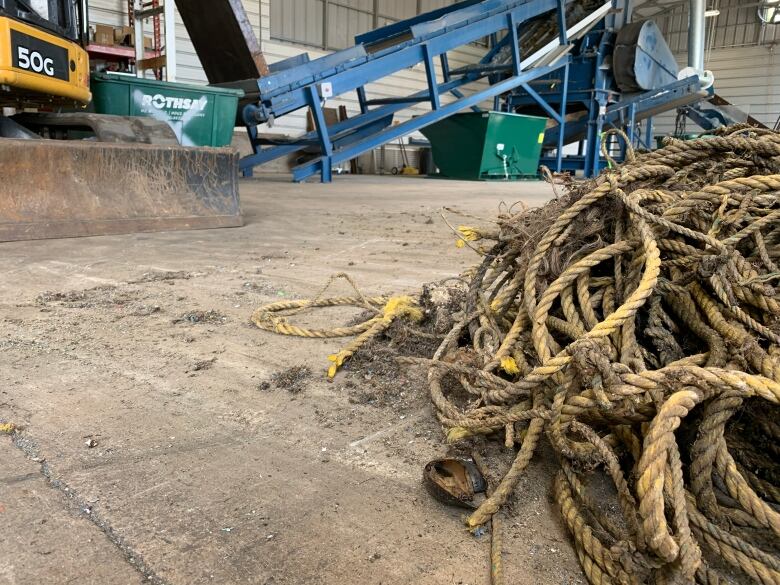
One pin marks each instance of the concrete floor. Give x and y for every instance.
(198, 472)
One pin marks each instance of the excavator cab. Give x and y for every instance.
(68, 172)
(65, 18)
(42, 60)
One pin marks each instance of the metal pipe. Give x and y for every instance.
(696, 34)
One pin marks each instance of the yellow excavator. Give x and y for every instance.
(67, 172)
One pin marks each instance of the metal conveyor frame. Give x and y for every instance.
(298, 83)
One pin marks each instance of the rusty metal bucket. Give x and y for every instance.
(62, 189)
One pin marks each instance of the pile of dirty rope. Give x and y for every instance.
(634, 322)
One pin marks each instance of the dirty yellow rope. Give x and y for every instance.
(633, 323)
(614, 372)
(273, 318)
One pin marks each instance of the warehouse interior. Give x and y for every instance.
(740, 49)
(389, 291)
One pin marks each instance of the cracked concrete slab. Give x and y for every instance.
(45, 537)
(208, 474)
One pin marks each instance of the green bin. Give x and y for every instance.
(200, 115)
(487, 145)
(659, 140)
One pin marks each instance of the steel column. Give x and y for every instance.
(170, 40)
(562, 123)
(322, 133)
(430, 74)
(649, 138)
(445, 67)
(361, 93)
(252, 133)
(632, 123)
(514, 39)
(325, 23)
(562, 22)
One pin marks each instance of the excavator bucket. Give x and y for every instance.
(61, 189)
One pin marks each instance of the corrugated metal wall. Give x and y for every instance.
(740, 52)
(301, 21)
(297, 19)
(348, 18)
(740, 48)
(749, 77)
(736, 25)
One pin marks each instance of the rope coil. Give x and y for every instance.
(633, 322)
(273, 318)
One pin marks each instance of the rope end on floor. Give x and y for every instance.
(469, 234)
(404, 306)
(338, 360)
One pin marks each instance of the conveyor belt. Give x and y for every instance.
(717, 111)
(425, 40)
(224, 40)
(532, 40)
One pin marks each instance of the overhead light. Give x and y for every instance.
(711, 13)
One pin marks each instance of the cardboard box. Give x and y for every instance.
(332, 116)
(124, 35)
(104, 35)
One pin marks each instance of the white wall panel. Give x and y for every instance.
(748, 77)
(736, 25)
(398, 9)
(428, 5)
(346, 20)
(297, 20)
(401, 84)
(300, 21)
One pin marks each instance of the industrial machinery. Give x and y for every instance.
(67, 172)
(616, 77)
(426, 40)
(613, 79)
(582, 63)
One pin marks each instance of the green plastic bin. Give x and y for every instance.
(659, 140)
(487, 145)
(199, 114)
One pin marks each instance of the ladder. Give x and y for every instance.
(161, 13)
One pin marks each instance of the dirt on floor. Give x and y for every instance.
(163, 438)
